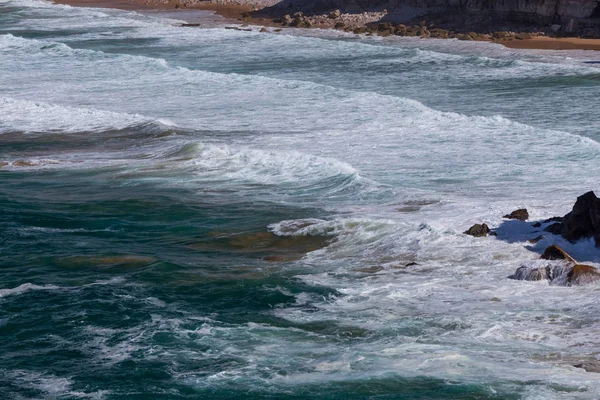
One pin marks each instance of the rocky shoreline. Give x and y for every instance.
(555, 265)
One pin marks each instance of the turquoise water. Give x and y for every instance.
(209, 213)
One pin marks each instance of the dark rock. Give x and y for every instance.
(536, 239)
(264, 30)
(555, 229)
(189, 25)
(584, 219)
(537, 225)
(556, 253)
(478, 230)
(521, 214)
(553, 219)
(525, 273)
(339, 25)
(245, 15)
(589, 367)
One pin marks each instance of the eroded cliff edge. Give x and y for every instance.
(561, 17)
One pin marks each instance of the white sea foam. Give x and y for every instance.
(30, 116)
(25, 287)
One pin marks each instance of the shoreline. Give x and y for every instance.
(241, 14)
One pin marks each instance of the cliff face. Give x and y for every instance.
(569, 14)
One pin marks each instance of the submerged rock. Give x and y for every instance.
(521, 214)
(526, 273)
(478, 230)
(589, 367)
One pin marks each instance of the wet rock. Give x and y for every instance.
(370, 270)
(189, 25)
(525, 273)
(554, 229)
(556, 253)
(536, 239)
(478, 230)
(521, 214)
(264, 30)
(553, 219)
(3, 164)
(589, 367)
(24, 163)
(537, 225)
(584, 218)
(582, 275)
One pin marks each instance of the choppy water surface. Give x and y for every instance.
(208, 213)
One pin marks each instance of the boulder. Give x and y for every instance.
(521, 214)
(584, 218)
(339, 25)
(523, 36)
(556, 253)
(582, 275)
(286, 19)
(335, 14)
(525, 273)
(589, 367)
(478, 230)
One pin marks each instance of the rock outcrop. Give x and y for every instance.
(559, 268)
(582, 222)
(521, 214)
(478, 230)
(573, 17)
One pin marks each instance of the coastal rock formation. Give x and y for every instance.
(584, 218)
(582, 222)
(574, 17)
(521, 214)
(559, 268)
(478, 230)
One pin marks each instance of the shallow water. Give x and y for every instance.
(209, 213)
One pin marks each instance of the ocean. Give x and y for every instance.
(205, 213)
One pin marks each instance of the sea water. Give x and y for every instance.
(200, 212)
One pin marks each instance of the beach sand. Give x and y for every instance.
(548, 43)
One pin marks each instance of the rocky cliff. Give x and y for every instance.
(562, 16)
